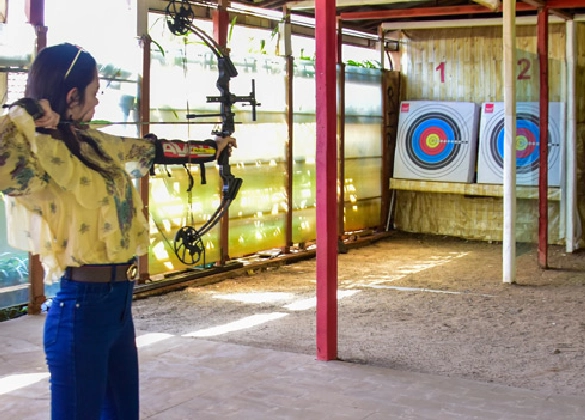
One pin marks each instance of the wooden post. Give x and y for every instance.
(145, 43)
(571, 144)
(326, 169)
(509, 234)
(144, 111)
(385, 173)
(35, 12)
(221, 22)
(341, 133)
(288, 152)
(542, 47)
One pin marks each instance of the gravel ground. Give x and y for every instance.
(409, 302)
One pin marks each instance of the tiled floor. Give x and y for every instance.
(189, 378)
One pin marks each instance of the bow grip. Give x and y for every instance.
(224, 161)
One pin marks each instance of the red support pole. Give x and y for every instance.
(542, 47)
(221, 21)
(326, 171)
(35, 12)
(145, 43)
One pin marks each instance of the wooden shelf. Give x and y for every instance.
(487, 190)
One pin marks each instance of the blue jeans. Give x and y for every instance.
(90, 345)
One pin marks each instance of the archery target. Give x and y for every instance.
(436, 141)
(491, 143)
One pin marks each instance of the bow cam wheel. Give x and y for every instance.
(188, 243)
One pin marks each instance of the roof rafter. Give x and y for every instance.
(425, 12)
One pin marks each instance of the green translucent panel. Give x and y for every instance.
(362, 214)
(257, 233)
(14, 283)
(304, 225)
(257, 216)
(362, 178)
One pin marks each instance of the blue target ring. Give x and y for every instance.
(444, 130)
(527, 155)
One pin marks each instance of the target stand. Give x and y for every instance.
(436, 141)
(491, 143)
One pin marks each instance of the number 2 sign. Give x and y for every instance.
(524, 64)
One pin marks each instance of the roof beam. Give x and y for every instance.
(539, 4)
(564, 4)
(416, 12)
(310, 4)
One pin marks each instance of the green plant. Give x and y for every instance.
(12, 312)
(302, 56)
(366, 63)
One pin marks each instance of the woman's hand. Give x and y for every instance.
(49, 119)
(223, 142)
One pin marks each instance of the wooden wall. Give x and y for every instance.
(470, 61)
(466, 65)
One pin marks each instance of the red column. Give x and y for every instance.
(221, 21)
(35, 12)
(326, 165)
(145, 43)
(542, 47)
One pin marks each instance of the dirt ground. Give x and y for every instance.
(409, 302)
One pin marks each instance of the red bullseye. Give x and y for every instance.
(432, 141)
(525, 142)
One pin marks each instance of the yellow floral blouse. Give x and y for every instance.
(59, 208)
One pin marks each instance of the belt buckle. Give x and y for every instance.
(132, 272)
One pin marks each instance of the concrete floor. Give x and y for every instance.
(189, 378)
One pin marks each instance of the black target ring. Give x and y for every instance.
(413, 140)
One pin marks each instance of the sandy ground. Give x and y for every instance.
(410, 302)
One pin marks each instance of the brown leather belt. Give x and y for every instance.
(102, 273)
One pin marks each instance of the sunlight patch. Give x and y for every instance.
(405, 270)
(242, 324)
(13, 382)
(256, 297)
(420, 289)
(303, 305)
(148, 339)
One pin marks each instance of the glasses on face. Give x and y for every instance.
(79, 50)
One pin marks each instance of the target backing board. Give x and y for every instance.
(491, 143)
(436, 141)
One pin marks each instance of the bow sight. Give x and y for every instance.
(188, 241)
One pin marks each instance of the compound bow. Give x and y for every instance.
(188, 240)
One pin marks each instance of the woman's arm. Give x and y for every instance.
(20, 171)
(138, 155)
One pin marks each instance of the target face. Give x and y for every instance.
(491, 140)
(436, 141)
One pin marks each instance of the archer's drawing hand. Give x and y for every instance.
(223, 142)
(49, 119)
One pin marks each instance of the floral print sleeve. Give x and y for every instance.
(136, 155)
(20, 171)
